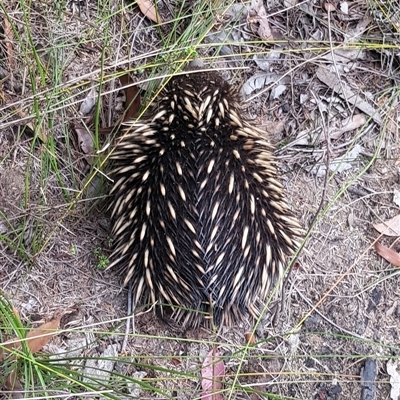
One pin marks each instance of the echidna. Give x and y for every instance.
(200, 220)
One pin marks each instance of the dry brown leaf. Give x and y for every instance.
(36, 338)
(148, 9)
(88, 102)
(40, 336)
(391, 227)
(329, 6)
(85, 142)
(13, 384)
(349, 124)
(264, 29)
(250, 338)
(40, 134)
(343, 89)
(8, 39)
(176, 361)
(132, 97)
(388, 254)
(212, 373)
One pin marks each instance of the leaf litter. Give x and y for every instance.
(35, 340)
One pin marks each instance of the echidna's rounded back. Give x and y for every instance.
(200, 218)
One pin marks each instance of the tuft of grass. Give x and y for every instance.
(102, 260)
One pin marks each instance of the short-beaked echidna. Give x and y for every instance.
(200, 220)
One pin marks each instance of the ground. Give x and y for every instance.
(340, 305)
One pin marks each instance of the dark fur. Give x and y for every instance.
(211, 230)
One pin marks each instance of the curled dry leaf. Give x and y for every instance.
(346, 162)
(344, 7)
(132, 97)
(40, 336)
(329, 6)
(85, 142)
(259, 81)
(89, 102)
(392, 368)
(38, 131)
(388, 254)
(349, 124)
(290, 3)
(176, 361)
(9, 36)
(396, 197)
(391, 227)
(148, 9)
(344, 90)
(264, 29)
(277, 91)
(13, 384)
(250, 338)
(36, 339)
(212, 372)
